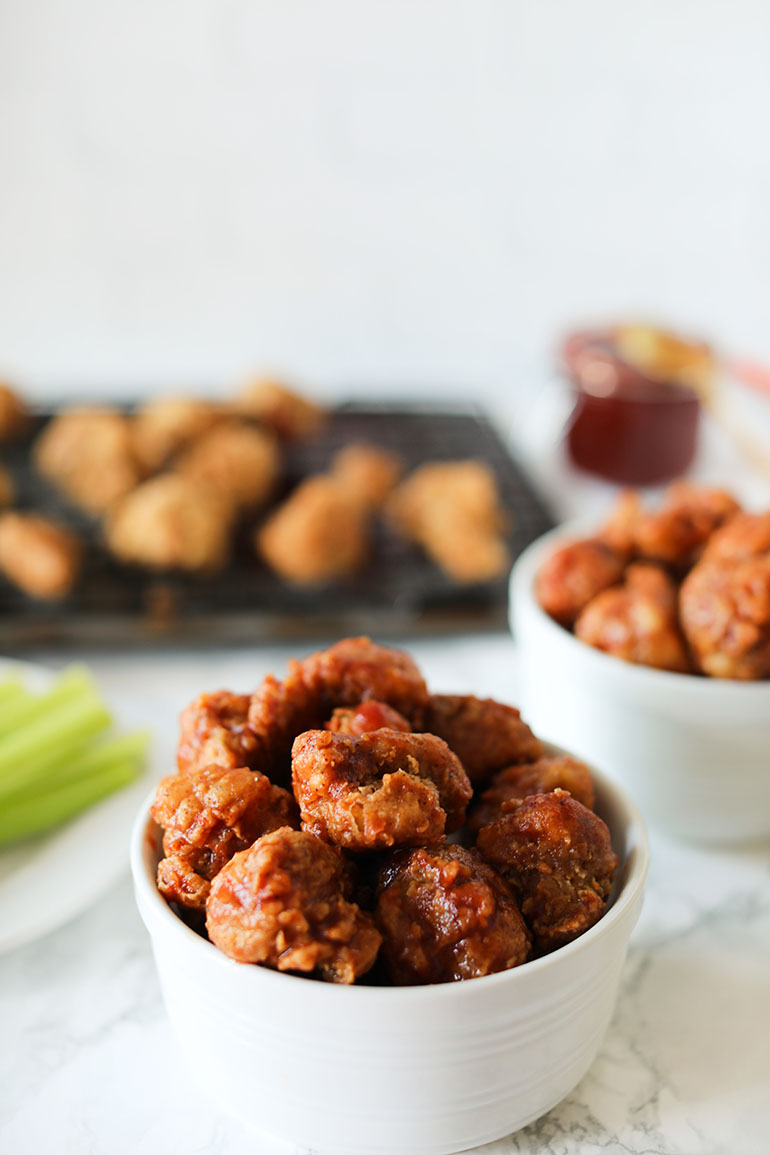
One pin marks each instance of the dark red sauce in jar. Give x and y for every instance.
(626, 425)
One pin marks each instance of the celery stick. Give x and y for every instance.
(73, 683)
(11, 706)
(38, 814)
(49, 765)
(70, 721)
(10, 688)
(86, 760)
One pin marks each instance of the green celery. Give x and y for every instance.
(36, 815)
(89, 759)
(68, 722)
(69, 686)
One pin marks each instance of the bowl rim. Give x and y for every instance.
(522, 597)
(637, 853)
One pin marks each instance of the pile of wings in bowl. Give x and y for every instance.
(347, 822)
(685, 587)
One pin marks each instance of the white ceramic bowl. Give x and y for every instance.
(396, 1070)
(693, 753)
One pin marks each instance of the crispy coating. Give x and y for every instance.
(291, 416)
(171, 522)
(7, 488)
(14, 414)
(356, 669)
(214, 730)
(166, 424)
(318, 534)
(516, 782)
(484, 734)
(365, 717)
(368, 472)
(284, 903)
(349, 673)
(445, 915)
(39, 556)
(677, 533)
(618, 529)
(725, 614)
(89, 454)
(235, 460)
(746, 536)
(207, 816)
(573, 575)
(453, 510)
(278, 712)
(384, 789)
(637, 621)
(556, 856)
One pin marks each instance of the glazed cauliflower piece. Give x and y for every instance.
(286, 903)
(557, 857)
(207, 816)
(382, 789)
(446, 915)
(637, 621)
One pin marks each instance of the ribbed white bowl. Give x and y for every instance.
(693, 753)
(393, 1071)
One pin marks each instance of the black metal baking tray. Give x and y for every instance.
(399, 592)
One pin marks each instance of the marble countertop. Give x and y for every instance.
(88, 1062)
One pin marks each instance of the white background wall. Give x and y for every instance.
(416, 192)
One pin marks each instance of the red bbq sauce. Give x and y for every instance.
(626, 425)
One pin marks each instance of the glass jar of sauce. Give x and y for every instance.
(628, 424)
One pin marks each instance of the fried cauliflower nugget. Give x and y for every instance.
(677, 533)
(236, 461)
(207, 816)
(744, 538)
(7, 488)
(381, 790)
(574, 574)
(637, 621)
(516, 782)
(354, 670)
(453, 510)
(367, 472)
(291, 416)
(14, 414)
(214, 730)
(39, 556)
(365, 717)
(446, 915)
(318, 534)
(557, 857)
(166, 424)
(349, 673)
(725, 614)
(285, 903)
(484, 734)
(278, 712)
(171, 522)
(89, 454)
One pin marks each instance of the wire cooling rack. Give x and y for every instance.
(399, 592)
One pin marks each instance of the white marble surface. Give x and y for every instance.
(88, 1063)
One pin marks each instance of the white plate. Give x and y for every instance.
(48, 880)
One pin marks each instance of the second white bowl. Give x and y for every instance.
(693, 753)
